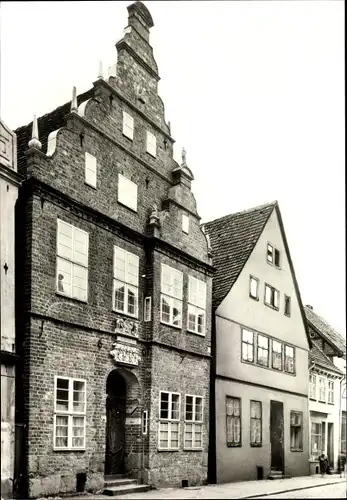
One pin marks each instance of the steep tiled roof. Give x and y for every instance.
(318, 357)
(325, 330)
(46, 124)
(233, 238)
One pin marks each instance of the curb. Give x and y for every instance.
(279, 492)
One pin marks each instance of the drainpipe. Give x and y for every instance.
(342, 391)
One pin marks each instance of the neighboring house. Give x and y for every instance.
(328, 427)
(259, 382)
(9, 184)
(116, 288)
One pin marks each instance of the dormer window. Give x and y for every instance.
(128, 126)
(151, 144)
(273, 255)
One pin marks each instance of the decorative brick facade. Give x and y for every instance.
(84, 340)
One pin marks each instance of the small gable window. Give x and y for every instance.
(90, 170)
(272, 296)
(185, 223)
(151, 144)
(273, 255)
(253, 287)
(127, 192)
(287, 305)
(128, 125)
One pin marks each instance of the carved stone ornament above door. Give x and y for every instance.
(126, 327)
(125, 354)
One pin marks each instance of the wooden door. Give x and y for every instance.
(276, 435)
(115, 435)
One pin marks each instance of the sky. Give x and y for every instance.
(254, 91)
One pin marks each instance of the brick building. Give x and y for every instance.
(114, 287)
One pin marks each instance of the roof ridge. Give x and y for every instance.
(248, 210)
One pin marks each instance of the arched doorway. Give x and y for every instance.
(116, 389)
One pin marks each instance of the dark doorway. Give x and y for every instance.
(330, 443)
(115, 423)
(276, 435)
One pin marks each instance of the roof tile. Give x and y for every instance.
(326, 330)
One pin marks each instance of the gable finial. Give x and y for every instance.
(74, 100)
(184, 156)
(34, 141)
(100, 73)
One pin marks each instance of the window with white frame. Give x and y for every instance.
(331, 391)
(196, 305)
(272, 296)
(69, 413)
(125, 282)
(322, 389)
(247, 345)
(193, 423)
(277, 349)
(253, 287)
(128, 125)
(151, 144)
(185, 223)
(171, 296)
(147, 309)
(263, 350)
(256, 424)
(233, 421)
(316, 439)
(127, 192)
(72, 261)
(296, 422)
(313, 386)
(273, 255)
(169, 415)
(90, 169)
(289, 359)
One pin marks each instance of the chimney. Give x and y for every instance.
(309, 307)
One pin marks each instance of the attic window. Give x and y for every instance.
(273, 255)
(287, 305)
(272, 297)
(253, 287)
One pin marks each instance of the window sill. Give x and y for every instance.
(192, 449)
(151, 155)
(273, 265)
(272, 307)
(71, 298)
(172, 326)
(68, 449)
(89, 185)
(127, 315)
(296, 450)
(168, 449)
(256, 445)
(127, 206)
(232, 445)
(196, 333)
(129, 138)
(287, 315)
(254, 298)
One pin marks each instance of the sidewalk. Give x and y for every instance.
(247, 489)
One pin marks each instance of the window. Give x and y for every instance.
(144, 422)
(277, 355)
(247, 345)
(151, 144)
(193, 423)
(331, 391)
(69, 413)
(90, 170)
(128, 125)
(343, 433)
(316, 439)
(147, 309)
(185, 223)
(272, 296)
(233, 421)
(273, 255)
(313, 386)
(171, 296)
(72, 261)
(263, 351)
(125, 282)
(287, 305)
(288, 359)
(296, 418)
(169, 414)
(253, 287)
(127, 192)
(196, 305)
(256, 423)
(322, 389)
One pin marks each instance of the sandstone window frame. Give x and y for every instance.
(193, 423)
(72, 260)
(256, 421)
(196, 306)
(171, 424)
(127, 192)
(90, 169)
(171, 296)
(69, 414)
(128, 126)
(151, 144)
(128, 278)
